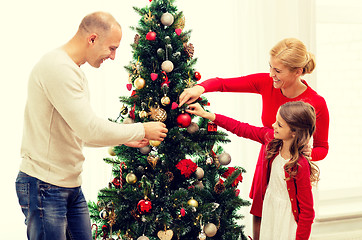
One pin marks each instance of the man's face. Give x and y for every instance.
(104, 47)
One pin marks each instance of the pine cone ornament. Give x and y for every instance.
(136, 39)
(189, 49)
(219, 187)
(158, 114)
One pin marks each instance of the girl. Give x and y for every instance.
(289, 62)
(285, 186)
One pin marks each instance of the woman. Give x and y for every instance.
(289, 61)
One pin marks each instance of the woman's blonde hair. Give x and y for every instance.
(293, 54)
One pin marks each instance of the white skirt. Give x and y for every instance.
(277, 220)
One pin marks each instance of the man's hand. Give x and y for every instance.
(138, 144)
(155, 131)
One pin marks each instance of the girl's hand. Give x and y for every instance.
(190, 95)
(138, 144)
(196, 109)
(307, 152)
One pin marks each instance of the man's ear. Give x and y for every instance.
(92, 38)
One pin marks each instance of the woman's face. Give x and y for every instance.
(281, 74)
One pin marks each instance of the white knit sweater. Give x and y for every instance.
(59, 121)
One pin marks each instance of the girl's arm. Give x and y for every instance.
(259, 134)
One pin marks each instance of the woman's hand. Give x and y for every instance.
(190, 95)
(307, 152)
(196, 109)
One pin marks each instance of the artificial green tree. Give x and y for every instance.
(180, 188)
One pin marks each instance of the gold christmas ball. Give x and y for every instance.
(158, 114)
(165, 101)
(131, 178)
(192, 202)
(167, 66)
(142, 114)
(139, 83)
(111, 151)
(210, 229)
(155, 143)
(167, 19)
(199, 173)
(143, 237)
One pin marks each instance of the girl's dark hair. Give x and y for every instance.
(301, 118)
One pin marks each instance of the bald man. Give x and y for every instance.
(58, 122)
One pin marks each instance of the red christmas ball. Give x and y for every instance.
(144, 206)
(151, 36)
(183, 120)
(197, 76)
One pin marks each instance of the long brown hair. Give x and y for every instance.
(301, 119)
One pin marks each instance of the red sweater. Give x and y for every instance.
(299, 189)
(273, 98)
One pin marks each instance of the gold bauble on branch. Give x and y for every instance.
(152, 160)
(158, 114)
(167, 66)
(143, 114)
(111, 151)
(165, 100)
(131, 178)
(193, 203)
(139, 83)
(154, 143)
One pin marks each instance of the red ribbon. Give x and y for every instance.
(164, 76)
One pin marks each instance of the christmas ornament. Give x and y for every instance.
(145, 150)
(198, 184)
(104, 214)
(197, 76)
(166, 82)
(219, 187)
(165, 100)
(139, 83)
(144, 206)
(237, 192)
(152, 160)
(202, 236)
(167, 19)
(154, 76)
(111, 151)
(129, 86)
(178, 31)
(128, 121)
(187, 167)
(209, 160)
(193, 128)
(176, 55)
(167, 66)
(180, 22)
(210, 229)
(161, 53)
(174, 106)
(193, 203)
(224, 158)
(151, 36)
(158, 114)
(211, 127)
(154, 143)
(116, 182)
(131, 178)
(199, 173)
(183, 120)
(183, 212)
(143, 237)
(189, 49)
(165, 235)
(136, 39)
(143, 114)
(169, 176)
(148, 17)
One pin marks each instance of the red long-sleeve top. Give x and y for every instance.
(299, 188)
(272, 99)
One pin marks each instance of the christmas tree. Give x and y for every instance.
(180, 188)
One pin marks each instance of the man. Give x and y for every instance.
(58, 122)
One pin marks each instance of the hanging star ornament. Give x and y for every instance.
(148, 17)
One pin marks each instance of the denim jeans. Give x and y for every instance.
(52, 212)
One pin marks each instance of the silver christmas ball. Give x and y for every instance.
(210, 229)
(167, 19)
(145, 150)
(167, 66)
(199, 173)
(224, 158)
(143, 237)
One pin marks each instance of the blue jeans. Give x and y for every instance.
(52, 212)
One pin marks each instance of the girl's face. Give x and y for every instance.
(282, 76)
(281, 129)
